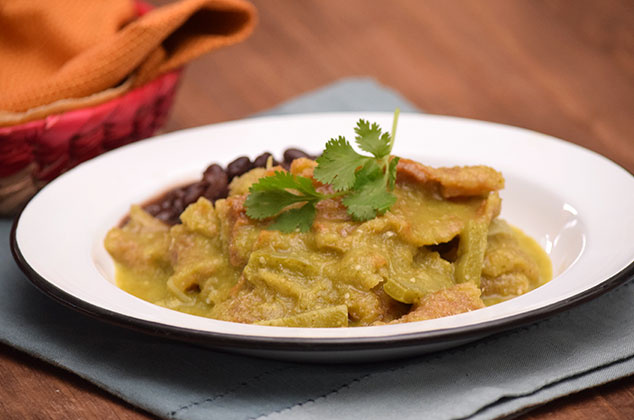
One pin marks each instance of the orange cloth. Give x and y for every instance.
(59, 49)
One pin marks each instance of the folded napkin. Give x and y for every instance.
(59, 49)
(500, 375)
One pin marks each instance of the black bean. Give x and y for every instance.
(178, 205)
(166, 202)
(193, 192)
(166, 216)
(153, 208)
(173, 200)
(217, 182)
(238, 167)
(213, 173)
(216, 177)
(292, 154)
(213, 193)
(260, 161)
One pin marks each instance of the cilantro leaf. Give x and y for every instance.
(391, 171)
(285, 180)
(296, 219)
(272, 194)
(365, 183)
(370, 139)
(370, 200)
(338, 164)
(370, 196)
(263, 204)
(370, 172)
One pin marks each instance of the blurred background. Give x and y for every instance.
(562, 67)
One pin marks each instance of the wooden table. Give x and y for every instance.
(562, 67)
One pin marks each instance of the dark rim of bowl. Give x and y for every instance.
(238, 341)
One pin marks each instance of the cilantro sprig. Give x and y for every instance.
(364, 183)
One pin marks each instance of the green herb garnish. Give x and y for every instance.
(365, 183)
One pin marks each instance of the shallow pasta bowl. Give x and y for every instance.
(577, 204)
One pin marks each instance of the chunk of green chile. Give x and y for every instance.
(428, 274)
(471, 249)
(334, 316)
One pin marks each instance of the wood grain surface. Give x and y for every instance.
(562, 67)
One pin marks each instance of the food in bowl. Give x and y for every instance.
(346, 239)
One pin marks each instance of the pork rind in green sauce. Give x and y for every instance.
(439, 251)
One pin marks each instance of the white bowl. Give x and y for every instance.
(576, 203)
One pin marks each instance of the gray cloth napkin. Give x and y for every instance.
(580, 348)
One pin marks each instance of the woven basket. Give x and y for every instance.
(33, 153)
